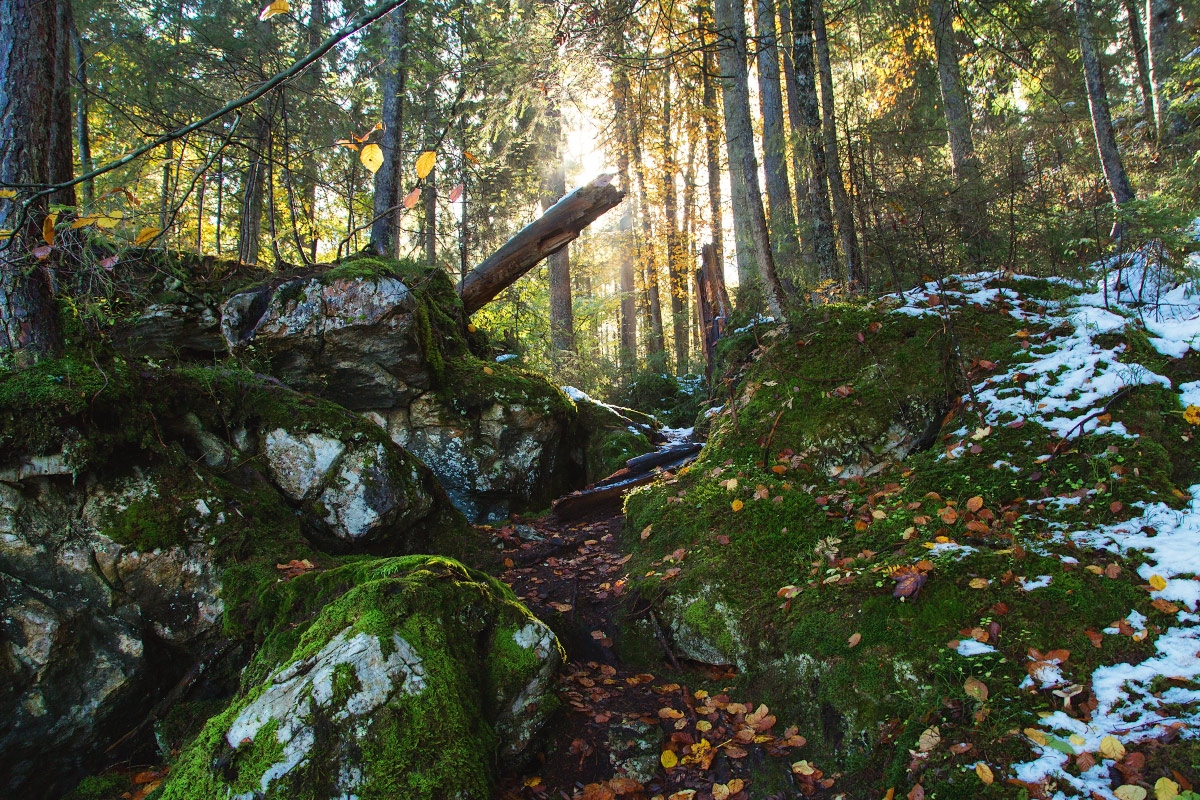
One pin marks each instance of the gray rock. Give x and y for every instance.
(634, 748)
(300, 463)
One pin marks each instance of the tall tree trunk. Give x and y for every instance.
(83, 135)
(429, 195)
(308, 162)
(253, 184)
(813, 137)
(786, 245)
(385, 229)
(166, 197)
(29, 328)
(675, 281)
(841, 200)
(656, 344)
(1137, 36)
(1158, 23)
(1106, 142)
(712, 149)
(62, 164)
(554, 187)
(969, 206)
(796, 148)
(628, 347)
(730, 18)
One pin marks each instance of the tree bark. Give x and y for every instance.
(730, 20)
(560, 225)
(786, 245)
(554, 188)
(429, 198)
(29, 328)
(1106, 142)
(676, 275)
(83, 135)
(1137, 36)
(253, 184)
(813, 137)
(1158, 22)
(385, 229)
(657, 343)
(628, 346)
(62, 166)
(802, 175)
(841, 200)
(712, 149)
(969, 204)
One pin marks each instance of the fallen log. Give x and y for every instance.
(613, 488)
(545, 236)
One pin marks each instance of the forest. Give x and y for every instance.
(529, 399)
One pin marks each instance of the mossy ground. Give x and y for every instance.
(833, 540)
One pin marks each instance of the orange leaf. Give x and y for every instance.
(974, 504)
(412, 197)
(456, 193)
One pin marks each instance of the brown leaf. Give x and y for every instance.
(1113, 570)
(917, 792)
(909, 581)
(1095, 637)
(948, 515)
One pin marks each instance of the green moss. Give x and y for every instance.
(438, 742)
(366, 267)
(100, 787)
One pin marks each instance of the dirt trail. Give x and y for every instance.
(620, 728)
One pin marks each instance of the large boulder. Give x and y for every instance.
(417, 678)
(137, 535)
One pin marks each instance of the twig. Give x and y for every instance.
(662, 639)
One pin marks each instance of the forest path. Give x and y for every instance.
(619, 725)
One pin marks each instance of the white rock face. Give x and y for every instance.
(300, 462)
(301, 688)
(522, 718)
(361, 496)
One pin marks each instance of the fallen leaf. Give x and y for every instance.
(979, 583)
(737, 505)
(917, 792)
(976, 689)
(1158, 583)
(854, 639)
(948, 515)
(669, 759)
(1165, 789)
(1036, 736)
(1165, 606)
(1095, 637)
(1111, 747)
(1191, 415)
(1130, 792)
(929, 739)
(985, 773)
(1112, 571)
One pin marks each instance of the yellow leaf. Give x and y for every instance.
(425, 163)
(736, 785)
(1166, 789)
(82, 222)
(412, 197)
(1158, 583)
(1077, 740)
(720, 791)
(1037, 736)
(704, 726)
(891, 794)
(985, 773)
(978, 583)
(737, 505)
(1111, 747)
(276, 7)
(8, 193)
(1130, 792)
(471, 327)
(488, 371)
(48, 228)
(371, 157)
(110, 219)
(669, 759)
(146, 235)
(1191, 415)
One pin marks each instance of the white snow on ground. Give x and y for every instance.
(677, 435)
(1065, 383)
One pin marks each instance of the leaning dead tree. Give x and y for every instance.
(545, 236)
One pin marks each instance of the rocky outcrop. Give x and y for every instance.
(119, 569)
(410, 683)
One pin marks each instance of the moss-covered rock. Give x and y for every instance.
(141, 523)
(414, 679)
